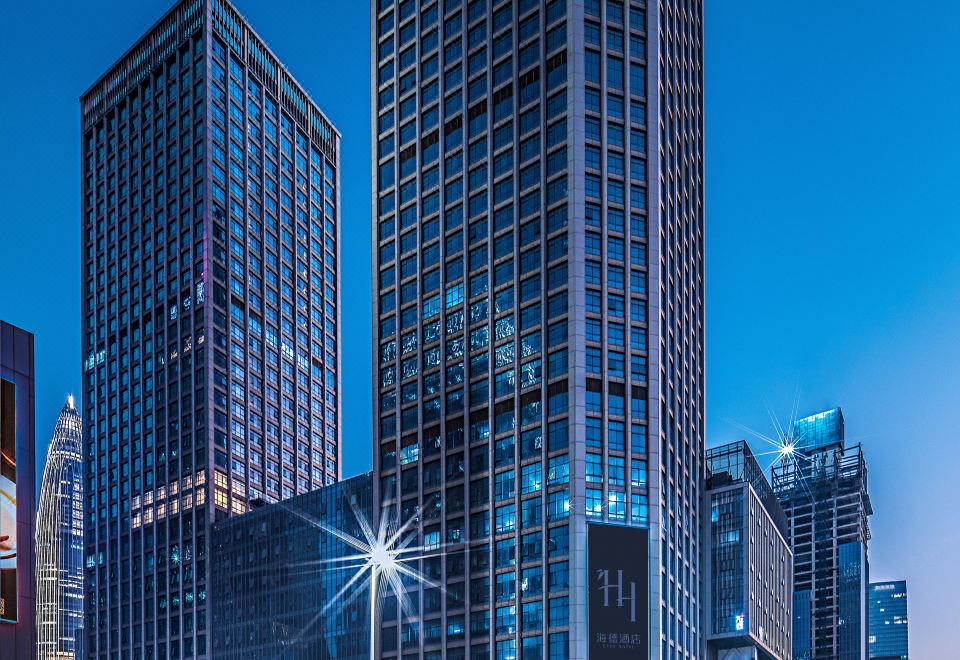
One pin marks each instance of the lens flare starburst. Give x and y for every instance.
(784, 446)
(384, 559)
(787, 450)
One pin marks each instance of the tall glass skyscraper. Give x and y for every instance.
(889, 625)
(60, 541)
(538, 305)
(210, 305)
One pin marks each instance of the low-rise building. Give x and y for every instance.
(749, 563)
(282, 578)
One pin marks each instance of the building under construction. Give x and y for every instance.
(822, 487)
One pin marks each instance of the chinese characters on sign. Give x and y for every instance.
(618, 595)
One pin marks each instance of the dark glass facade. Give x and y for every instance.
(210, 225)
(18, 632)
(538, 310)
(728, 595)
(889, 625)
(276, 571)
(802, 625)
(823, 491)
(749, 564)
(853, 578)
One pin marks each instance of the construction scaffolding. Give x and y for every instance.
(824, 496)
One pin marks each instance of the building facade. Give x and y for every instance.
(889, 625)
(749, 566)
(210, 224)
(538, 316)
(18, 633)
(823, 491)
(60, 542)
(282, 580)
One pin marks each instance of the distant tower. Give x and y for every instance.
(888, 621)
(60, 541)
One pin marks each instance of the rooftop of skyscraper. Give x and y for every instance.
(820, 431)
(162, 40)
(735, 463)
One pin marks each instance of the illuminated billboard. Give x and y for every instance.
(8, 502)
(618, 602)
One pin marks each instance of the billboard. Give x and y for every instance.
(618, 603)
(8, 501)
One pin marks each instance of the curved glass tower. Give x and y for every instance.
(60, 541)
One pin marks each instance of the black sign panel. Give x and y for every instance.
(618, 602)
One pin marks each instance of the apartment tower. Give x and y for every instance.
(538, 233)
(210, 298)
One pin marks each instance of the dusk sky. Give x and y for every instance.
(833, 231)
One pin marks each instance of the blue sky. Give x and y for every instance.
(833, 265)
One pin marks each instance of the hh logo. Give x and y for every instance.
(620, 598)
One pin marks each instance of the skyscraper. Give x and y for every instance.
(60, 541)
(538, 308)
(18, 633)
(889, 627)
(823, 491)
(210, 226)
